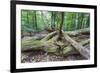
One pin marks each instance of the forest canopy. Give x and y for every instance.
(34, 21)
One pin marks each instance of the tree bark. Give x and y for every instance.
(61, 25)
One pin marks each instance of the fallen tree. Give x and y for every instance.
(82, 50)
(48, 44)
(49, 36)
(77, 32)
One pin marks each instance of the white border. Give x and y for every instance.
(20, 65)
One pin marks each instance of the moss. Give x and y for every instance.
(52, 49)
(31, 42)
(67, 49)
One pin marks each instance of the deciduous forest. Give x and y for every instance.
(54, 36)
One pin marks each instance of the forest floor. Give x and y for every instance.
(42, 56)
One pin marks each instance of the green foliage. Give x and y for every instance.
(32, 21)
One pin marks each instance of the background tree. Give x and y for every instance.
(33, 21)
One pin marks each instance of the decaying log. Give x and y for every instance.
(70, 50)
(82, 50)
(85, 42)
(48, 44)
(49, 36)
(50, 47)
(34, 44)
(80, 31)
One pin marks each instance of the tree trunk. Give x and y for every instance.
(82, 50)
(61, 26)
(48, 45)
(51, 48)
(77, 32)
(50, 35)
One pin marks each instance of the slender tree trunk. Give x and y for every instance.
(27, 18)
(35, 21)
(61, 25)
(76, 21)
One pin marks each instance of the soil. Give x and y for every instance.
(41, 56)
